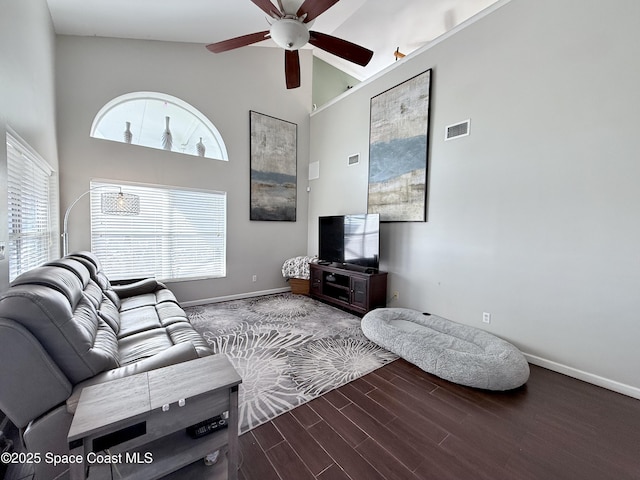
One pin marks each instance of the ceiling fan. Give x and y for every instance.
(291, 32)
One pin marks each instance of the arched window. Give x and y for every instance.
(157, 120)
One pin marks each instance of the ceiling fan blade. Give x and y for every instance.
(237, 42)
(269, 8)
(292, 68)
(341, 48)
(313, 8)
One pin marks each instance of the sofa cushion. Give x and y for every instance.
(148, 299)
(169, 313)
(50, 303)
(145, 344)
(93, 265)
(61, 280)
(99, 338)
(181, 332)
(138, 320)
(151, 341)
(104, 305)
(110, 314)
(149, 316)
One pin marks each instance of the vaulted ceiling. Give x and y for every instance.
(379, 25)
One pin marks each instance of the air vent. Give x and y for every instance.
(457, 130)
(353, 159)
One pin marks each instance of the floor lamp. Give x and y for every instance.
(112, 203)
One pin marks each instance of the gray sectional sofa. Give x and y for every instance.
(64, 326)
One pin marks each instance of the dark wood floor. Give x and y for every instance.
(402, 423)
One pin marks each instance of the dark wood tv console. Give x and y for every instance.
(352, 290)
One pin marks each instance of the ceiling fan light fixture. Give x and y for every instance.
(289, 33)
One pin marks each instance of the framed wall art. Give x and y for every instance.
(398, 151)
(273, 168)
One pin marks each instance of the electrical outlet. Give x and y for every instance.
(254, 278)
(486, 317)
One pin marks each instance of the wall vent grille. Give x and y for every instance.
(353, 159)
(457, 130)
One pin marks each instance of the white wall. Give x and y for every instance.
(225, 87)
(534, 216)
(27, 91)
(329, 82)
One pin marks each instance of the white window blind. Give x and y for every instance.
(32, 195)
(178, 234)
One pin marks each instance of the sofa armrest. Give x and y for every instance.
(26, 371)
(181, 352)
(148, 285)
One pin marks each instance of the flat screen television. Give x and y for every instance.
(350, 240)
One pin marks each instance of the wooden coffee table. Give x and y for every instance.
(137, 425)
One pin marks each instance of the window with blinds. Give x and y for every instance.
(31, 208)
(177, 234)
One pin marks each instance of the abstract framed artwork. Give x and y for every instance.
(273, 168)
(398, 151)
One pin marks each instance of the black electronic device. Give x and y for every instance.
(120, 436)
(350, 240)
(208, 426)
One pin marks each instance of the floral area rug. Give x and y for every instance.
(287, 348)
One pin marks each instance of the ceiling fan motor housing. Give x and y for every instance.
(289, 33)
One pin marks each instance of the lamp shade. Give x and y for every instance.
(112, 203)
(118, 203)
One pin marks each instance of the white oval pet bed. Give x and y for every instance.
(458, 353)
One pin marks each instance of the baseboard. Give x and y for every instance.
(609, 384)
(585, 376)
(238, 296)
